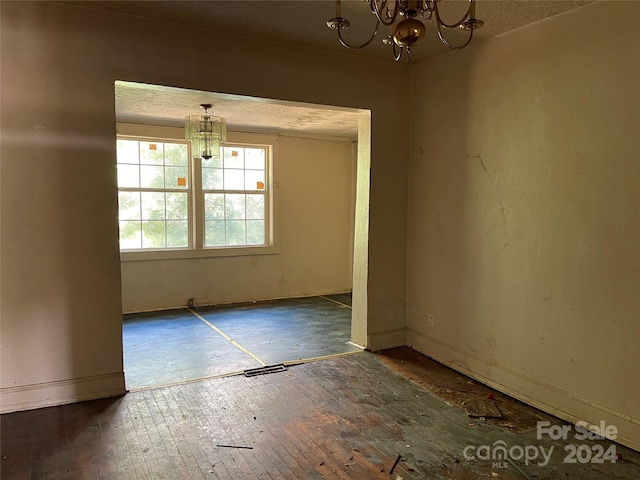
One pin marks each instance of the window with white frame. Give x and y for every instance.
(175, 205)
(235, 201)
(153, 194)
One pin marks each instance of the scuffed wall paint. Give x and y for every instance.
(61, 294)
(524, 215)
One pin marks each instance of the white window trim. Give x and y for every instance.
(196, 221)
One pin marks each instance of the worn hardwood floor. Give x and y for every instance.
(343, 418)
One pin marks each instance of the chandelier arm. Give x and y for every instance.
(376, 10)
(409, 31)
(356, 47)
(453, 25)
(397, 54)
(453, 47)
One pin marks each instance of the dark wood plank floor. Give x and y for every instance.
(343, 418)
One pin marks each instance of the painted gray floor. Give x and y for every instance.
(344, 298)
(176, 346)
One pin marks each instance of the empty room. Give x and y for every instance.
(395, 260)
(241, 260)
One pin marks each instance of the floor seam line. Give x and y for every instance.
(185, 382)
(229, 339)
(330, 356)
(336, 301)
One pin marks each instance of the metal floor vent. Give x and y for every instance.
(252, 372)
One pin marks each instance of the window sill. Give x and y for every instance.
(150, 255)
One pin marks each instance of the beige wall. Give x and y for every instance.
(524, 198)
(61, 293)
(314, 203)
(524, 231)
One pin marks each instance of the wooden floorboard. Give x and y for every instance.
(342, 418)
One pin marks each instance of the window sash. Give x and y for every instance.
(235, 219)
(160, 232)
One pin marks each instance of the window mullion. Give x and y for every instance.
(251, 192)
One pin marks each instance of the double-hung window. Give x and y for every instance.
(173, 205)
(235, 202)
(153, 194)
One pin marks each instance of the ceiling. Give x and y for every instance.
(159, 105)
(301, 23)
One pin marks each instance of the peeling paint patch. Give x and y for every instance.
(484, 167)
(504, 214)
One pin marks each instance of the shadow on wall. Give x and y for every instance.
(441, 160)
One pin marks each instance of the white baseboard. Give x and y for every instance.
(387, 339)
(548, 398)
(27, 397)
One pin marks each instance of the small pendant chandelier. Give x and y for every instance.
(409, 30)
(205, 132)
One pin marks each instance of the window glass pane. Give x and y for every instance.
(177, 206)
(233, 157)
(129, 205)
(214, 206)
(153, 234)
(235, 232)
(161, 218)
(214, 234)
(177, 233)
(128, 176)
(212, 179)
(127, 151)
(254, 158)
(152, 205)
(212, 162)
(254, 180)
(233, 179)
(176, 177)
(151, 176)
(152, 153)
(157, 219)
(176, 154)
(255, 207)
(130, 235)
(255, 232)
(234, 206)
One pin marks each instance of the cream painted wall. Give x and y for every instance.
(524, 214)
(61, 294)
(315, 191)
(524, 198)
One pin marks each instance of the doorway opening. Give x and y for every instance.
(315, 206)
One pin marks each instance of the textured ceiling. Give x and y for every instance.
(301, 23)
(158, 105)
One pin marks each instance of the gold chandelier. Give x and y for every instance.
(406, 29)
